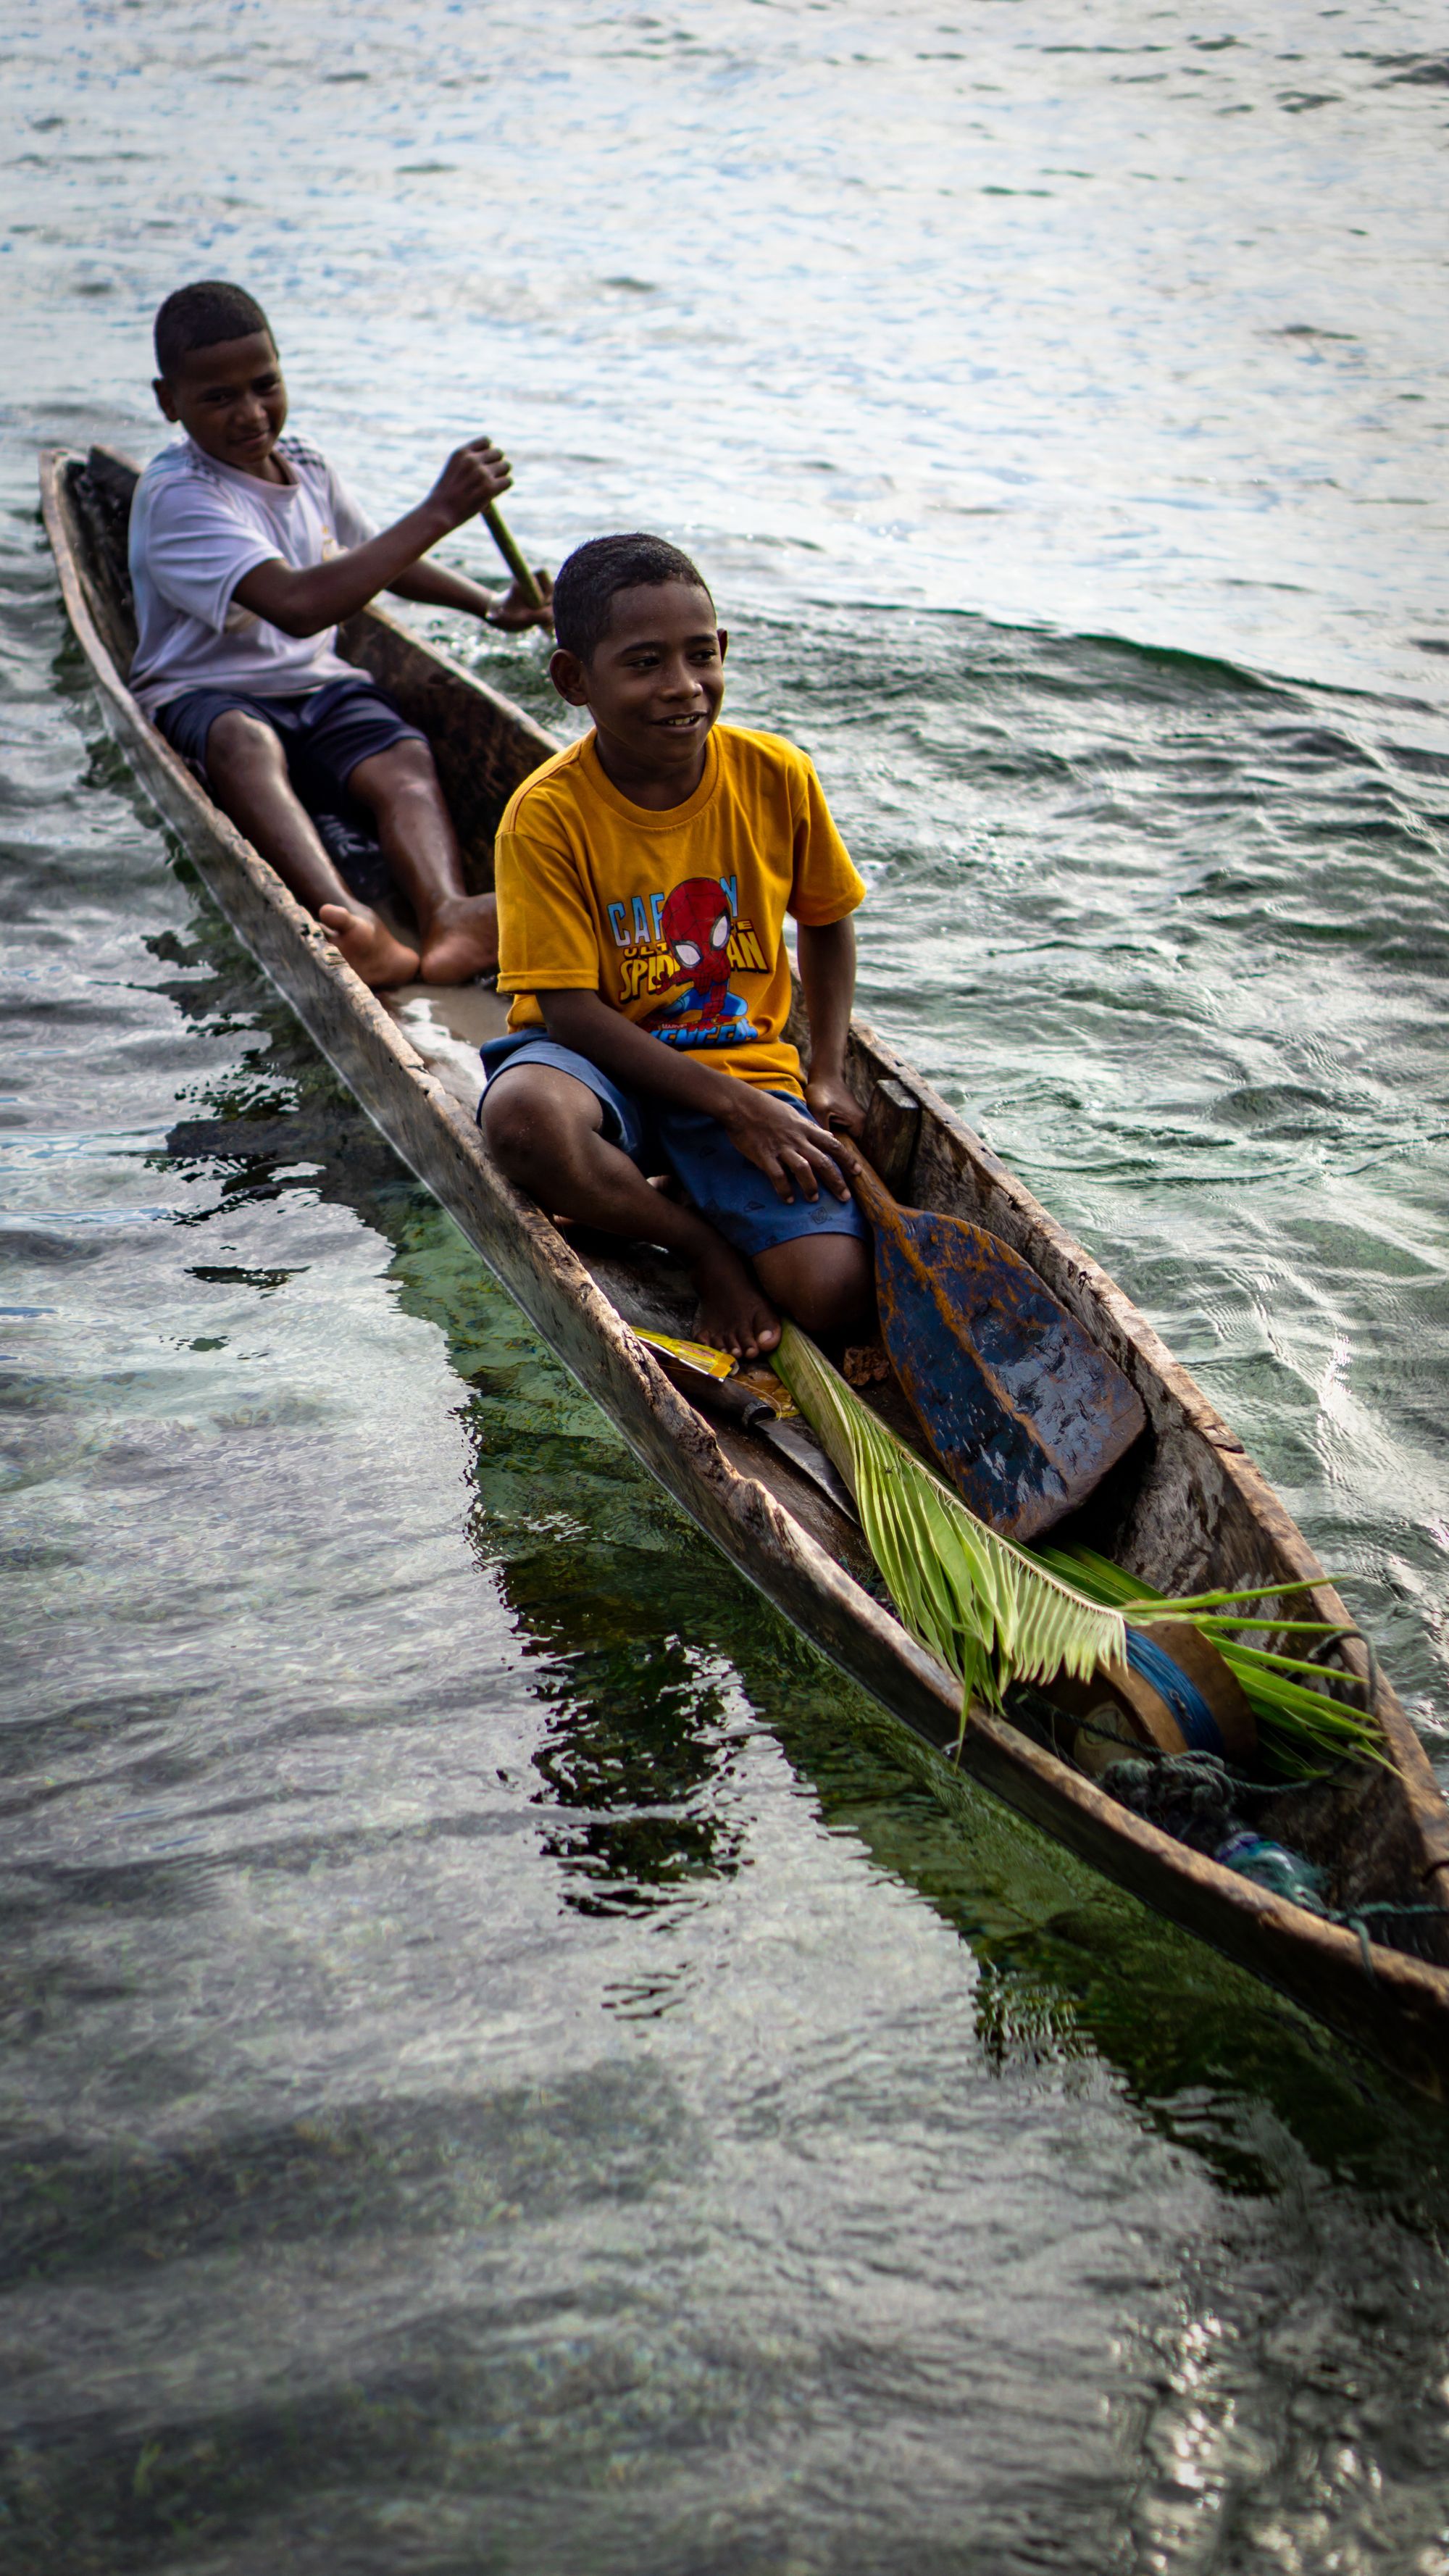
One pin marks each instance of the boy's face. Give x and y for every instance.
(654, 687)
(231, 399)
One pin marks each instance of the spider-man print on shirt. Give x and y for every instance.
(692, 936)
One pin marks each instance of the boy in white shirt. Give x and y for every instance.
(246, 553)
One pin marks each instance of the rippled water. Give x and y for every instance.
(508, 2065)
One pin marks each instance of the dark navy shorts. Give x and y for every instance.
(328, 731)
(732, 1194)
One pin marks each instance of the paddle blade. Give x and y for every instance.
(1023, 1411)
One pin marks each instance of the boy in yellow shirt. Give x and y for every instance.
(643, 880)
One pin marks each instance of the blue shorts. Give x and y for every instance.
(325, 733)
(733, 1195)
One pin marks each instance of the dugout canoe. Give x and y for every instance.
(1186, 1510)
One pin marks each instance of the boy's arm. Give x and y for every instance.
(826, 954)
(303, 603)
(765, 1129)
(436, 587)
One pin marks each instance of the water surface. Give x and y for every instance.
(509, 2066)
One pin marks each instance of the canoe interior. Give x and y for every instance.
(1186, 1509)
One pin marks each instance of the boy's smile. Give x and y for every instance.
(654, 688)
(232, 400)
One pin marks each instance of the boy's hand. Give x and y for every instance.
(473, 476)
(792, 1154)
(829, 1098)
(513, 610)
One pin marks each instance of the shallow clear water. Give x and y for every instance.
(508, 2066)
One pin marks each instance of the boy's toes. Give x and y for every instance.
(369, 947)
(735, 1315)
(760, 1324)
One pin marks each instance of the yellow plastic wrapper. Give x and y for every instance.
(695, 1355)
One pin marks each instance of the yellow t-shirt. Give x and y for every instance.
(674, 918)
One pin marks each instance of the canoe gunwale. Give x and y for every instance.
(1323, 1966)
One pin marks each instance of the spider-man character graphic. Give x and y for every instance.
(696, 920)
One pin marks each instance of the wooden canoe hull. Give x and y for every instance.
(1197, 1511)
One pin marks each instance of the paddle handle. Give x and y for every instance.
(507, 544)
(870, 1190)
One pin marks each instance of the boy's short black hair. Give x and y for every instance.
(583, 595)
(197, 317)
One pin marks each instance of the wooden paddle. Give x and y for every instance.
(1021, 1409)
(508, 546)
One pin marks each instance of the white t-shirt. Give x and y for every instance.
(197, 528)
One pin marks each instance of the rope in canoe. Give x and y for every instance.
(1203, 1789)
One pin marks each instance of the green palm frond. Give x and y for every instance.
(994, 1613)
(985, 1608)
(1299, 1728)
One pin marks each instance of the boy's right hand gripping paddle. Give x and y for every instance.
(1023, 1412)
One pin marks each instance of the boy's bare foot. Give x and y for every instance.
(369, 946)
(734, 1315)
(461, 939)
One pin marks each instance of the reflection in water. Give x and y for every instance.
(636, 1744)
